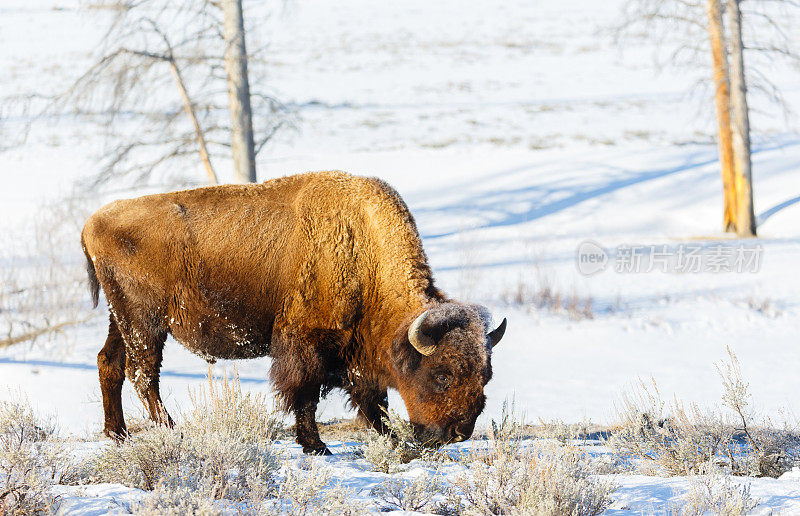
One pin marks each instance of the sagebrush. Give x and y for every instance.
(309, 489)
(223, 449)
(32, 460)
(676, 439)
(506, 477)
(388, 453)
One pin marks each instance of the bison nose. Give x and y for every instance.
(461, 432)
(465, 430)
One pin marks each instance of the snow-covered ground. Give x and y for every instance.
(635, 494)
(515, 132)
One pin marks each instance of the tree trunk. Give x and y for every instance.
(723, 102)
(242, 144)
(745, 219)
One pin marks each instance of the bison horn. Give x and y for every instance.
(497, 334)
(419, 340)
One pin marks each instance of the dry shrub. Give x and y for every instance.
(563, 432)
(770, 451)
(544, 478)
(214, 453)
(142, 461)
(542, 294)
(222, 407)
(388, 453)
(676, 440)
(765, 307)
(176, 501)
(310, 490)
(379, 451)
(777, 453)
(715, 493)
(31, 460)
(676, 445)
(398, 494)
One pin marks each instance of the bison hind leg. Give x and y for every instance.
(143, 369)
(144, 346)
(111, 369)
(133, 349)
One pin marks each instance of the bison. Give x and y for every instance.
(324, 272)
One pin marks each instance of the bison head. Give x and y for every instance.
(443, 362)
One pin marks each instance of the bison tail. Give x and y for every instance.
(94, 285)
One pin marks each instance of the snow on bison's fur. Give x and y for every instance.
(324, 272)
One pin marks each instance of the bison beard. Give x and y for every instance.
(324, 272)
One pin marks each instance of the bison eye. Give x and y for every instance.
(442, 380)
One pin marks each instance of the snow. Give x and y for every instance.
(514, 132)
(635, 494)
(98, 499)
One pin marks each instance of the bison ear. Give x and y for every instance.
(406, 359)
(497, 334)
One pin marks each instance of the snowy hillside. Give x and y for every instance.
(515, 133)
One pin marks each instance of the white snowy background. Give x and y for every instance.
(514, 132)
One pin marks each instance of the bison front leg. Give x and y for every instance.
(305, 410)
(298, 371)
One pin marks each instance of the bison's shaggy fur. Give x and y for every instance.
(325, 272)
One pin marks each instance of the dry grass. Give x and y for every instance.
(399, 494)
(716, 493)
(343, 429)
(32, 460)
(541, 293)
(223, 450)
(544, 478)
(389, 453)
(310, 490)
(675, 439)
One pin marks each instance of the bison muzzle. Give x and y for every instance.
(324, 272)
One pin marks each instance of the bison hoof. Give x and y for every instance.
(118, 436)
(316, 450)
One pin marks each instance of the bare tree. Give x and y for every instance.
(745, 222)
(159, 85)
(41, 291)
(722, 99)
(769, 29)
(244, 158)
(15, 120)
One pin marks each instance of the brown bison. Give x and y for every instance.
(324, 272)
